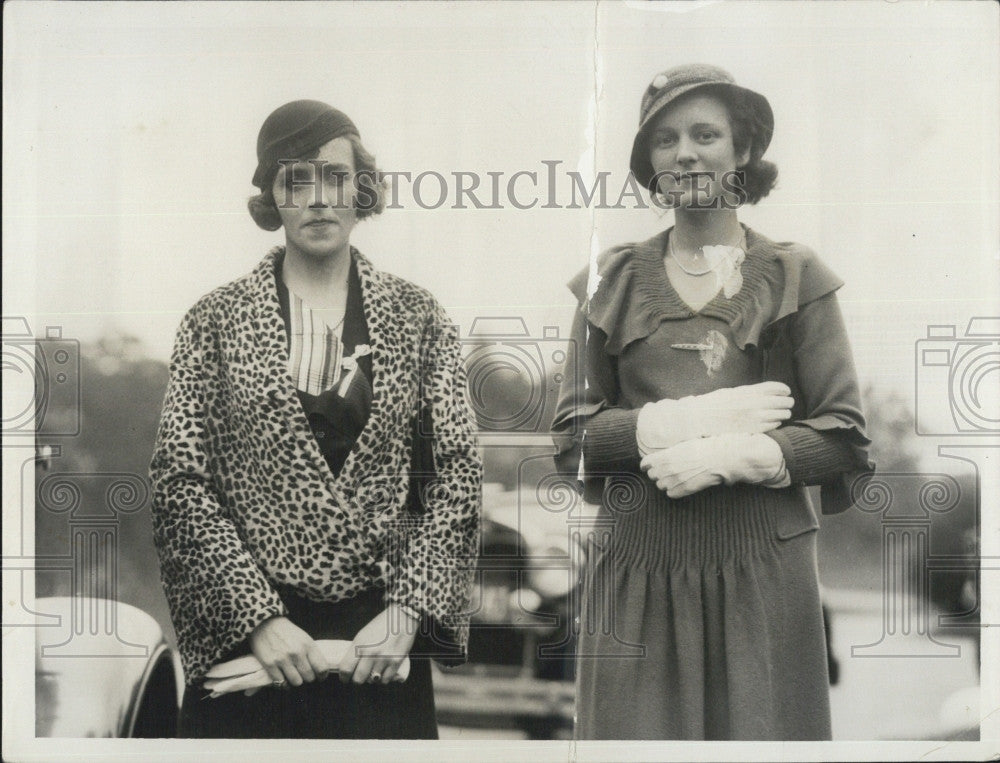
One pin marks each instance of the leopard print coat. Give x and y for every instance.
(244, 502)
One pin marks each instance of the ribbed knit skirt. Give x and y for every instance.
(701, 618)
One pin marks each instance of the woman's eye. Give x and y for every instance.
(298, 179)
(335, 177)
(663, 140)
(706, 136)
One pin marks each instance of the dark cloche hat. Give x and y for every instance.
(296, 129)
(669, 85)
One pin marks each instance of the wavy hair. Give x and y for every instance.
(757, 178)
(368, 201)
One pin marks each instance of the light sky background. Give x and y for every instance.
(129, 132)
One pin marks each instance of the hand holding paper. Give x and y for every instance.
(245, 673)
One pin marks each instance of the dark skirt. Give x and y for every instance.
(702, 621)
(325, 709)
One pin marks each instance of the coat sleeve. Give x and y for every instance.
(825, 442)
(216, 591)
(435, 573)
(593, 436)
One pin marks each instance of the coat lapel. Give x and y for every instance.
(272, 376)
(271, 350)
(373, 303)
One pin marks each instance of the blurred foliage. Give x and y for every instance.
(891, 429)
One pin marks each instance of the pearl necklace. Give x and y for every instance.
(699, 255)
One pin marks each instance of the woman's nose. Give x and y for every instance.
(328, 194)
(686, 151)
(337, 193)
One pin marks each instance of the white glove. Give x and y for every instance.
(751, 408)
(703, 462)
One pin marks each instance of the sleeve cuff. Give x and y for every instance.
(812, 457)
(609, 440)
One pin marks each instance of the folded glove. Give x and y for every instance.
(751, 408)
(246, 673)
(703, 462)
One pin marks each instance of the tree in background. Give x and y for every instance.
(121, 393)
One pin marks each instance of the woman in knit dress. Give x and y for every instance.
(301, 397)
(718, 384)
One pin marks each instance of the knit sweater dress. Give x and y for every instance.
(701, 616)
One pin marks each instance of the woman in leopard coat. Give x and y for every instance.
(284, 504)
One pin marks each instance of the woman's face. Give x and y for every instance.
(692, 153)
(315, 199)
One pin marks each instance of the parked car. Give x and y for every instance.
(521, 643)
(103, 669)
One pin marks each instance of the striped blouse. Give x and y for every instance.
(315, 352)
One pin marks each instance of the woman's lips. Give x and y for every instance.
(677, 176)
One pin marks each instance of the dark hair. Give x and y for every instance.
(369, 200)
(755, 179)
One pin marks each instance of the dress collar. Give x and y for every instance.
(658, 289)
(634, 295)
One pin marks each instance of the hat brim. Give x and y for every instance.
(639, 162)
